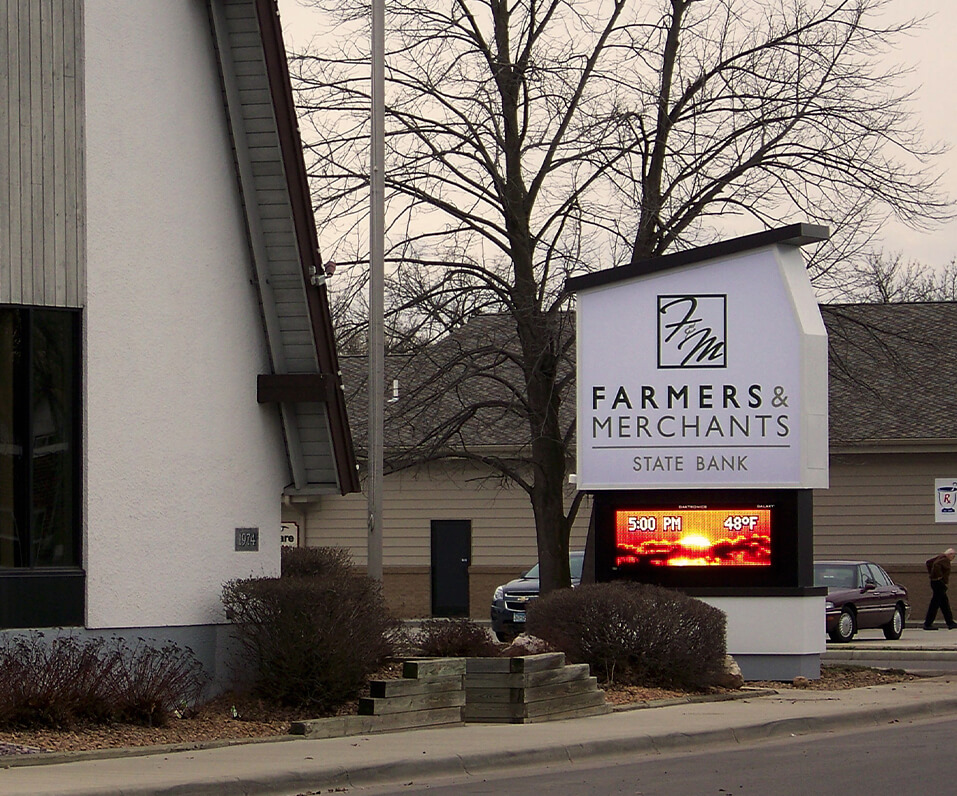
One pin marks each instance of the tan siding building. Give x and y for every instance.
(500, 516)
(892, 405)
(881, 506)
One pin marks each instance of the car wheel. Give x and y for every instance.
(505, 638)
(846, 626)
(895, 627)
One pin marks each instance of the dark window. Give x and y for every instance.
(39, 433)
(878, 575)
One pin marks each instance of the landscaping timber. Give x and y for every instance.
(339, 726)
(430, 693)
(436, 691)
(530, 688)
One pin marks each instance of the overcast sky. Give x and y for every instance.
(931, 52)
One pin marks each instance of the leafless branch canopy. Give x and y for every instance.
(531, 140)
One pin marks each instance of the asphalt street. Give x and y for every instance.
(893, 758)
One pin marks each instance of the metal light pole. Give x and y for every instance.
(376, 292)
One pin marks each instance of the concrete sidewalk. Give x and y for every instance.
(917, 650)
(294, 766)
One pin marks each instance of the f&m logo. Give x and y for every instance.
(692, 331)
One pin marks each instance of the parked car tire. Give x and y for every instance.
(895, 627)
(846, 627)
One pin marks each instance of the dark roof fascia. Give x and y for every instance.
(287, 122)
(923, 446)
(791, 235)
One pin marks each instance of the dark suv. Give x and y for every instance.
(509, 601)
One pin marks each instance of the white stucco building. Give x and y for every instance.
(167, 365)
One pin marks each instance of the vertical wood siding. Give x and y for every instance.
(41, 153)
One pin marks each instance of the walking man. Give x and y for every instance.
(939, 569)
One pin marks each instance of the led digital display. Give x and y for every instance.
(693, 537)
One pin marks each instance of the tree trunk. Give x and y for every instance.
(551, 525)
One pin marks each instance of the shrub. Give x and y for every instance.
(153, 683)
(312, 640)
(66, 681)
(634, 633)
(51, 684)
(320, 562)
(455, 638)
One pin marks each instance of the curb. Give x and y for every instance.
(872, 653)
(479, 763)
(744, 693)
(116, 752)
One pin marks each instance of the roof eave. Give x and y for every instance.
(291, 145)
(791, 235)
(913, 445)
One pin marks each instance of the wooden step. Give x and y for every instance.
(573, 671)
(370, 706)
(548, 709)
(339, 726)
(521, 664)
(537, 694)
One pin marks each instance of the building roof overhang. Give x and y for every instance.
(791, 235)
(305, 379)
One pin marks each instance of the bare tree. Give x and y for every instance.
(883, 278)
(532, 140)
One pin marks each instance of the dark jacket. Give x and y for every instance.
(940, 568)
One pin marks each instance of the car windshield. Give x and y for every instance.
(575, 561)
(836, 576)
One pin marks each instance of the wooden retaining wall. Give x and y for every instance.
(431, 693)
(441, 691)
(530, 688)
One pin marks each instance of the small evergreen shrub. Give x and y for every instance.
(312, 638)
(66, 681)
(634, 633)
(455, 638)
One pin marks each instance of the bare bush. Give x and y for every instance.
(152, 683)
(456, 638)
(312, 641)
(331, 562)
(66, 681)
(634, 634)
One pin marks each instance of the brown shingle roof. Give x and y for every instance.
(892, 372)
(892, 379)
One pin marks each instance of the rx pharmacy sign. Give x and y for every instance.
(945, 499)
(705, 369)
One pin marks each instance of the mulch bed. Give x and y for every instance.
(237, 717)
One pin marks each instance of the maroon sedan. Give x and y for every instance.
(860, 595)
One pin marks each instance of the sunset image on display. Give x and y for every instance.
(693, 537)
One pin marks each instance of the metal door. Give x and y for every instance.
(451, 556)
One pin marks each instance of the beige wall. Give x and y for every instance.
(503, 531)
(879, 507)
